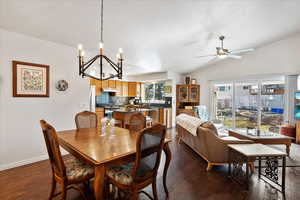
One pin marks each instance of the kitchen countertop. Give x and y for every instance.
(137, 110)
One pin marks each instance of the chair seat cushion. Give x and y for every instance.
(122, 174)
(77, 170)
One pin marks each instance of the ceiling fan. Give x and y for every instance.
(225, 53)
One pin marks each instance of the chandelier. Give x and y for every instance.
(84, 70)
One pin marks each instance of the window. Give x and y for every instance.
(154, 92)
(241, 104)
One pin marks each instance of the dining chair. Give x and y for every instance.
(137, 122)
(86, 119)
(68, 172)
(131, 178)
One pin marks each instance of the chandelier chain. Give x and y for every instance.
(101, 21)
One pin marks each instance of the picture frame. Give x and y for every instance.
(30, 79)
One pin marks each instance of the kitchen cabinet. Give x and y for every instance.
(187, 95)
(124, 89)
(105, 84)
(119, 88)
(165, 117)
(100, 114)
(132, 89)
(183, 93)
(111, 83)
(194, 91)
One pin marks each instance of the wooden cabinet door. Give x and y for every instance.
(183, 93)
(105, 84)
(194, 91)
(125, 89)
(119, 88)
(111, 83)
(93, 81)
(132, 89)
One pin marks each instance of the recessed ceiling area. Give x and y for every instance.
(156, 35)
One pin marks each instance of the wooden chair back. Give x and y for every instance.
(149, 147)
(137, 122)
(57, 164)
(86, 119)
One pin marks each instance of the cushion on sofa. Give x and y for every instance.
(210, 126)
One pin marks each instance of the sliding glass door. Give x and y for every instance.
(246, 104)
(223, 101)
(250, 103)
(272, 105)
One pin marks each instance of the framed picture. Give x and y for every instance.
(30, 80)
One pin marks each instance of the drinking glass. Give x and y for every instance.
(103, 126)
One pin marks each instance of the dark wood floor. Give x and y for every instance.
(187, 180)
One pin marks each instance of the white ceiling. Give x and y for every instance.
(156, 35)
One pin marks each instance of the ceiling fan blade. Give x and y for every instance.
(234, 56)
(206, 56)
(242, 50)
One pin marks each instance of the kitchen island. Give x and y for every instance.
(124, 115)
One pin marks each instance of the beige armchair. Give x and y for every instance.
(208, 144)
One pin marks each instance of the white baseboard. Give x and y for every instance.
(23, 162)
(27, 161)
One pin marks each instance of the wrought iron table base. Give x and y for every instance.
(269, 174)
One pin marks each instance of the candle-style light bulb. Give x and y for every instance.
(101, 45)
(121, 53)
(82, 53)
(118, 56)
(79, 49)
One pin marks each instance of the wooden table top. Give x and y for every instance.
(98, 149)
(263, 135)
(255, 150)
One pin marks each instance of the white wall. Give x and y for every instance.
(279, 58)
(21, 139)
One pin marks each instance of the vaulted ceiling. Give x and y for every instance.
(156, 35)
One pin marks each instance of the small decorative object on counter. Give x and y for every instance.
(194, 82)
(62, 85)
(187, 80)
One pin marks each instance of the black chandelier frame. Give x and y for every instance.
(84, 66)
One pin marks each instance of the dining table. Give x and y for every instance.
(106, 147)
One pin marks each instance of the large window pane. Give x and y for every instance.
(272, 105)
(222, 103)
(149, 92)
(246, 104)
(160, 91)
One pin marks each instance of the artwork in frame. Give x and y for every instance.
(30, 80)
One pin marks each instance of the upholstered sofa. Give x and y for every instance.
(208, 144)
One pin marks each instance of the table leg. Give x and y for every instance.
(167, 163)
(283, 174)
(229, 164)
(247, 174)
(259, 167)
(99, 182)
(288, 149)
